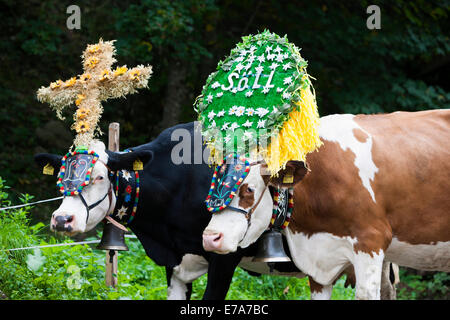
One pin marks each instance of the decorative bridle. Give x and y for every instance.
(68, 188)
(249, 212)
(226, 204)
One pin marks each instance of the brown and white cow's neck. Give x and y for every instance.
(376, 188)
(400, 161)
(345, 131)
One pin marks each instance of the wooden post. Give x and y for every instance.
(111, 255)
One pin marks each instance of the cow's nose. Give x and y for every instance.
(63, 223)
(212, 241)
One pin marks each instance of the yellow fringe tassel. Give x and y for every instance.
(298, 136)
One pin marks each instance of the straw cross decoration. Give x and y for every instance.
(99, 82)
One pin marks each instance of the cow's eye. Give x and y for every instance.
(250, 189)
(99, 178)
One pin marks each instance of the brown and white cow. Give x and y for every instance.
(378, 188)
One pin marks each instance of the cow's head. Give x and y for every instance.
(82, 212)
(248, 214)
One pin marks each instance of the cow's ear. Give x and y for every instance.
(118, 161)
(294, 172)
(48, 162)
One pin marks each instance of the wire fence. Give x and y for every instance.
(50, 245)
(62, 244)
(31, 203)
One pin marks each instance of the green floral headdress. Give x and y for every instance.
(260, 100)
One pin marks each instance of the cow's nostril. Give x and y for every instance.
(60, 219)
(62, 223)
(212, 241)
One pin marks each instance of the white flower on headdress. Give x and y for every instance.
(287, 80)
(266, 90)
(247, 124)
(280, 58)
(239, 111)
(239, 59)
(279, 90)
(211, 115)
(209, 98)
(287, 66)
(253, 49)
(250, 112)
(277, 49)
(261, 112)
(259, 69)
(219, 94)
(126, 175)
(248, 66)
(232, 110)
(234, 126)
(243, 52)
(225, 126)
(220, 113)
(215, 85)
(270, 56)
(273, 66)
(239, 67)
(261, 124)
(212, 125)
(251, 59)
(274, 109)
(268, 49)
(286, 95)
(249, 93)
(261, 58)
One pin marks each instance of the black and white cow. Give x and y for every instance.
(171, 213)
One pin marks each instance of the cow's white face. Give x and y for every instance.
(71, 216)
(228, 229)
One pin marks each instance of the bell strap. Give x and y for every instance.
(289, 209)
(117, 224)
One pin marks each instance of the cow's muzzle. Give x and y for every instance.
(63, 223)
(212, 241)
